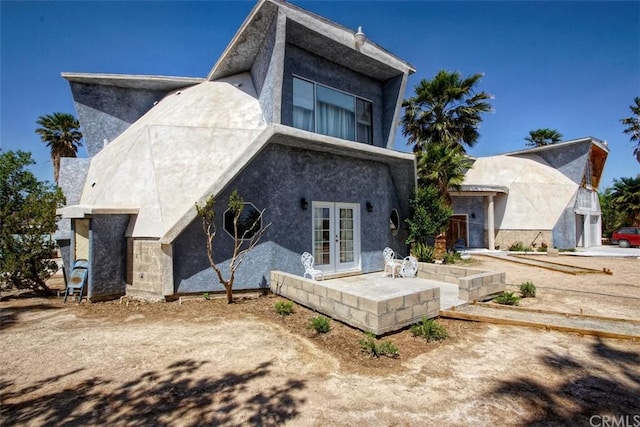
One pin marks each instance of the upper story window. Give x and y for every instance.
(320, 109)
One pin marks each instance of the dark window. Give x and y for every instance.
(249, 222)
(394, 222)
(327, 111)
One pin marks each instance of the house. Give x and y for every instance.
(298, 114)
(541, 195)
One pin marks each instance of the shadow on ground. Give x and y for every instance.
(170, 397)
(11, 315)
(609, 385)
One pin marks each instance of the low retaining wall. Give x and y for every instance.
(473, 284)
(359, 307)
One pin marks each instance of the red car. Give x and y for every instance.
(626, 237)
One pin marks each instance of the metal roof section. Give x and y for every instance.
(310, 32)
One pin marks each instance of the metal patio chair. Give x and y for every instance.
(308, 263)
(409, 267)
(78, 279)
(391, 262)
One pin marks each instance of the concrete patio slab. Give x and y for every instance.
(371, 302)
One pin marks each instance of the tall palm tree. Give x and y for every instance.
(633, 126)
(626, 199)
(540, 137)
(60, 132)
(443, 166)
(446, 110)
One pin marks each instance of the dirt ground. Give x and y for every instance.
(204, 362)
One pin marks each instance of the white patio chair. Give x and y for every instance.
(390, 262)
(409, 267)
(308, 263)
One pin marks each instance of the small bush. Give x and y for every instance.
(451, 257)
(528, 290)
(284, 308)
(423, 252)
(507, 298)
(520, 247)
(206, 296)
(371, 346)
(429, 329)
(320, 324)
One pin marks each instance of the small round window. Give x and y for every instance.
(394, 222)
(249, 222)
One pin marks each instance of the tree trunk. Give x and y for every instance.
(227, 286)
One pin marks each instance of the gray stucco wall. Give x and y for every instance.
(570, 159)
(264, 72)
(275, 181)
(73, 173)
(564, 232)
(390, 91)
(472, 206)
(107, 256)
(304, 64)
(106, 111)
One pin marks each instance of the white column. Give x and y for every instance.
(586, 241)
(490, 223)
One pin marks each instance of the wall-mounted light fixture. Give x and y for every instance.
(369, 206)
(359, 38)
(303, 203)
(473, 215)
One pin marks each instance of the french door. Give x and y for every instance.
(336, 236)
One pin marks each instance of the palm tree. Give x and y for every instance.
(446, 110)
(60, 132)
(540, 137)
(443, 166)
(633, 126)
(626, 199)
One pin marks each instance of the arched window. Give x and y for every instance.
(394, 222)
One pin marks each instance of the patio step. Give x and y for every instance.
(567, 322)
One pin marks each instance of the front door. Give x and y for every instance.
(457, 232)
(336, 236)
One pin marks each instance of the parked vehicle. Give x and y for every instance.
(626, 237)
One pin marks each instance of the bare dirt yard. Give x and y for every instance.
(204, 362)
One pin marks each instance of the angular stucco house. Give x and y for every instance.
(298, 114)
(539, 195)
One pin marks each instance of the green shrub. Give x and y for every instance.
(429, 329)
(507, 298)
(206, 296)
(320, 324)
(451, 257)
(370, 345)
(520, 247)
(284, 308)
(528, 290)
(423, 252)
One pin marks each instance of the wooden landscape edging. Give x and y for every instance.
(559, 313)
(452, 314)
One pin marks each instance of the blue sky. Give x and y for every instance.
(570, 66)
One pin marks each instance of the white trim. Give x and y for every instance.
(335, 265)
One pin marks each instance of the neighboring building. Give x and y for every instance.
(298, 114)
(539, 195)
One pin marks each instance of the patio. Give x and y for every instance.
(378, 304)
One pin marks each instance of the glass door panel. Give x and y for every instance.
(336, 235)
